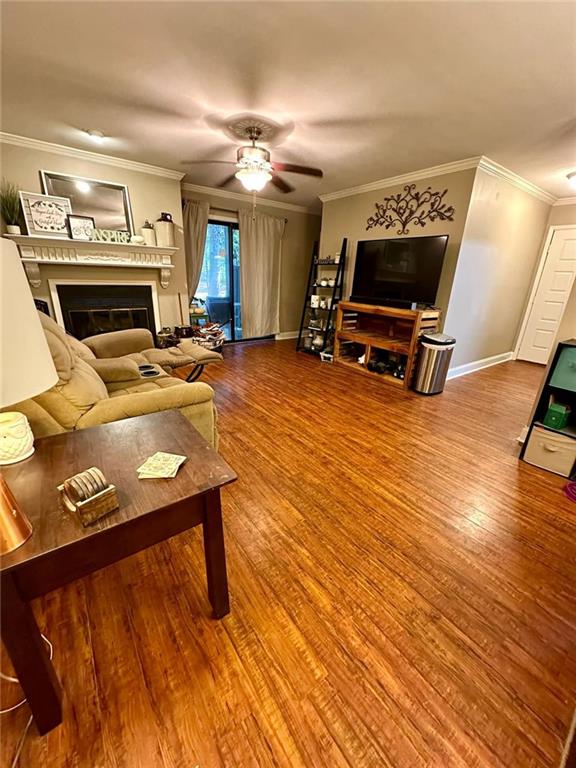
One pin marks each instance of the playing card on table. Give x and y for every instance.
(161, 465)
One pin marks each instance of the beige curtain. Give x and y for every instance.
(260, 252)
(195, 216)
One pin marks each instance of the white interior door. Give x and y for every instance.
(550, 298)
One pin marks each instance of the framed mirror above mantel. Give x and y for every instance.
(35, 251)
(106, 202)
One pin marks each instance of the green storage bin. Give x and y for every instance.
(564, 373)
(557, 416)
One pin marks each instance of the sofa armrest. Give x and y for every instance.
(119, 343)
(115, 369)
(140, 403)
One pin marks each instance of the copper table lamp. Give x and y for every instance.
(26, 369)
(15, 528)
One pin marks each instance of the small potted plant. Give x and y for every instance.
(10, 206)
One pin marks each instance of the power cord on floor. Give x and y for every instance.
(22, 739)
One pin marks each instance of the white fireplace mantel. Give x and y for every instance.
(35, 251)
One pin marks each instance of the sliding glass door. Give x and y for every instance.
(219, 284)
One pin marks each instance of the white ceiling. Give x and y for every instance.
(365, 90)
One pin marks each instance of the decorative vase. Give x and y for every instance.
(13, 229)
(165, 231)
(318, 342)
(148, 233)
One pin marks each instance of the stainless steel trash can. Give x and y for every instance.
(433, 362)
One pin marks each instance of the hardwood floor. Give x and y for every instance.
(403, 592)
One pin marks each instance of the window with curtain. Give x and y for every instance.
(219, 284)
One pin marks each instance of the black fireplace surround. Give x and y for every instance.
(88, 310)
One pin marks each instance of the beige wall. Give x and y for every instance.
(495, 241)
(346, 217)
(562, 214)
(498, 257)
(149, 194)
(302, 229)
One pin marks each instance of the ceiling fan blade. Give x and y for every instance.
(226, 182)
(280, 184)
(304, 169)
(201, 162)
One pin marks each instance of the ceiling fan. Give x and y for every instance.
(254, 169)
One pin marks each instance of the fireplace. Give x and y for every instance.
(90, 309)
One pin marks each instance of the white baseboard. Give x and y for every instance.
(477, 365)
(286, 335)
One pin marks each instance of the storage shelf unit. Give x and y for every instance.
(332, 294)
(564, 394)
(381, 328)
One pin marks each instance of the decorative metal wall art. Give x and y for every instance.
(411, 207)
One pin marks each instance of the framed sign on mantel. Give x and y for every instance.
(45, 215)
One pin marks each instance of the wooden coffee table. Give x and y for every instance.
(61, 549)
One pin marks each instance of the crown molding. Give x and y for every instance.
(404, 178)
(187, 187)
(519, 182)
(85, 154)
(441, 170)
(481, 162)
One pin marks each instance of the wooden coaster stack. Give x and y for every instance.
(89, 494)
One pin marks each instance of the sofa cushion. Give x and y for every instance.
(67, 401)
(120, 343)
(148, 385)
(79, 387)
(59, 347)
(199, 353)
(41, 422)
(171, 357)
(138, 358)
(114, 369)
(79, 349)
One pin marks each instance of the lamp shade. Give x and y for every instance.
(26, 366)
(253, 179)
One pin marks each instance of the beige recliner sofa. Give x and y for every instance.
(138, 345)
(93, 391)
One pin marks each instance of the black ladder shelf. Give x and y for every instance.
(317, 322)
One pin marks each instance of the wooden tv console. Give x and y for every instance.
(375, 327)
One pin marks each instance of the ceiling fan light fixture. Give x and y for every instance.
(254, 169)
(253, 155)
(253, 179)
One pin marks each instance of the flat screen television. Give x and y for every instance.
(398, 271)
